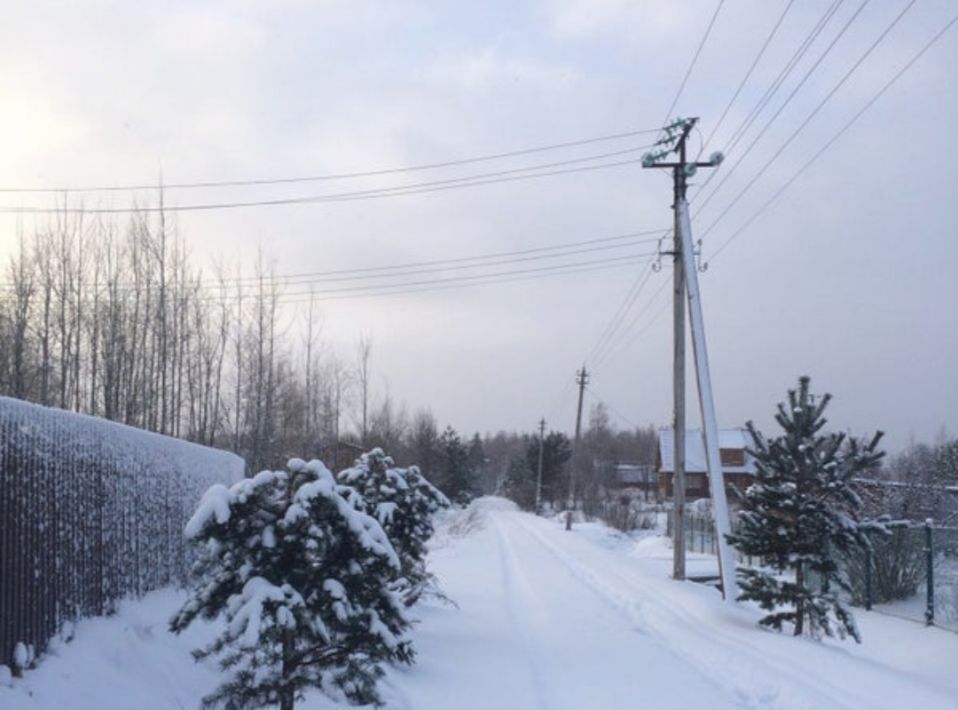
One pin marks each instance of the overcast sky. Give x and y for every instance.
(849, 276)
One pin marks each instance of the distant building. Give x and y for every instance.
(738, 467)
(634, 477)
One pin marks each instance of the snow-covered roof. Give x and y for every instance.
(736, 439)
(634, 473)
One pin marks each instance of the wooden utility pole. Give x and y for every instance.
(581, 379)
(678, 394)
(542, 438)
(686, 285)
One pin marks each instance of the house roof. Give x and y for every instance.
(634, 473)
(737, 439)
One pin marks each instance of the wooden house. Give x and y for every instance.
(738, 468)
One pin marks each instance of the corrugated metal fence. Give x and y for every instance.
(90, 511)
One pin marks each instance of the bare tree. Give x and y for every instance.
(363, 353)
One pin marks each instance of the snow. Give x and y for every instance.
(215, 504)
(695, 458)
(544, 619)
(247, 619)
(124, 444)
(368, 531)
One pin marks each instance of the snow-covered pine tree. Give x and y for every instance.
(304, 582)
(403, 502)
(801, 513)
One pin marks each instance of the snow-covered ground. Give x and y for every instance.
(545, 619)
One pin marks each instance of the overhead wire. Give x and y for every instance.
(544, 252)
(616, 321)
(476, 280)
(612, 409)
(793, 61)
(618, 241)
(818, 107)
(828, 144)
(768, 124)
(695, 59)
(394, 191)
(636, 284)
(769, 93)
(470, 277)
(748, 75)
(624, 338)
(639, 283)
(333, 176)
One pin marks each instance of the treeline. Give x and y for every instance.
(920, 482)
(115, 318)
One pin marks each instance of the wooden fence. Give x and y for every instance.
(90, 512)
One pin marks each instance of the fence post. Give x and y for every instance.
(868, 579)
(930, 574)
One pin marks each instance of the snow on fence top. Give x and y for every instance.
(90, 511)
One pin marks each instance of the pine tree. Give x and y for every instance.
(403, 502)
(555, 456)
(520, 483)
(303, 580)
(801, 515)
(458, 476)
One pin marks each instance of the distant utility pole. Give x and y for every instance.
(685, 284)
(581, 379)
(542, 435)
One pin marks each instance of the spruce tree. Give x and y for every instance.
(458, 476)
(303, 580)
(555, 455)
(403, 502)
(520, 483)
(801, 515)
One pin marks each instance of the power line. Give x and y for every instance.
(821, 151)
(470, 277)
(334, 176)
(457, 267)
(615, 322)
(770, 92)
(627, 239)
(397, 191)
(814, 112)
(695, 59)
(621, 342)
(479, 280)
(788, 99)
(474, 261)
(374, 290)
(783, 74)
(748, 74)
(612, 409)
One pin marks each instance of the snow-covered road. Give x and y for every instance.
(537, 634)
(553, 620)
(546, 620)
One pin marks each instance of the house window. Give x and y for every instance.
(732, 457)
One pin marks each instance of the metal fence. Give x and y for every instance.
(911, 572)
(90, 511)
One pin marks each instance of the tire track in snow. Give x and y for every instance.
(513, 582)
(748, 682)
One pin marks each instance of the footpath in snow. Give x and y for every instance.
(546, 619)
